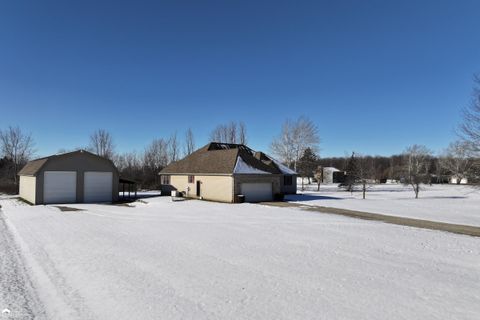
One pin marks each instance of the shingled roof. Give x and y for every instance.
(222, 158)
(34, 166)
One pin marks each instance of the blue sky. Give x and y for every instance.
(376, 76)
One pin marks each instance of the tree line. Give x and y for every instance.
(296, 145)
(415, 166)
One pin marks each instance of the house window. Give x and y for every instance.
(287, 180)
(165, 179)
(191, 179)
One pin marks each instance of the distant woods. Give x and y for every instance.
(296, 144)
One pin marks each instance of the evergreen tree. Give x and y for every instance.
(307, 165)
(352, 173)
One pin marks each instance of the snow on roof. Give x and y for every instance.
(282, 167)
(331, 169)
(242, 167)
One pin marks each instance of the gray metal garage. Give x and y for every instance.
(78, 176)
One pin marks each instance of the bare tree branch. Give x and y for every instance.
(16, 146)
(459, 160)
(173, 148)
(470, 128)
(230, 133)
(295, 137)
(101, 143)
(416, 169)
(189, 142)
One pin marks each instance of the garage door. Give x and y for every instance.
(59, 187)
(256, 192)
(98, 186)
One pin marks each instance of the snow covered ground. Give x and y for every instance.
(457, 204)
(204, 260)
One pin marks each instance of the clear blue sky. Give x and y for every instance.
(375, 76)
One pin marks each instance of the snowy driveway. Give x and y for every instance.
(202, 260)
(17, 298)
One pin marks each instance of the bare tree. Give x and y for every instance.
(129, 165)
(242, 133)
(101, 143)
(458, 159)
(219, 134)
(232, 132)
(282, 145)
(470, 128)
(173, 148)
(155, 156)
(295, 138)
(189, 142)
(365, 172)
(318, 174)
(17, 146)
(229, 133)
(416, 170)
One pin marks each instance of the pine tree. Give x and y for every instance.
(352, 173)
(307, 164)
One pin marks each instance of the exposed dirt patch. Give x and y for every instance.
(66, 209)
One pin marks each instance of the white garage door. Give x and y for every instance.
(98, 186)
(256, 192)
(59, 187)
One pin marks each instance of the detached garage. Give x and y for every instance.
(72, 177)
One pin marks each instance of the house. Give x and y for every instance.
(222, 171)
(78, 176)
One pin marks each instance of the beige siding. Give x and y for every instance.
(28, 188)
(216, 188)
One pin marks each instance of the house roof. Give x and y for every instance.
(34, 166)
(224, 158)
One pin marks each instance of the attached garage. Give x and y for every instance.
(257, 192)
(73, 177)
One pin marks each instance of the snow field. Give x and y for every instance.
(204, 260)
(443, 203)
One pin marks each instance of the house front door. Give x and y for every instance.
(198, 188)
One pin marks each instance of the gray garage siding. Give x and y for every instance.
(80, 162)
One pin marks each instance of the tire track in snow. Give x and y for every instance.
(18, 299)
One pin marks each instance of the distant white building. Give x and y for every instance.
(454, 180)
(328, 174)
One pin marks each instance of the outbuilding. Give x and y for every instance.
(73, 177)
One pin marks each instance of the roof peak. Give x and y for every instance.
(227, 146)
